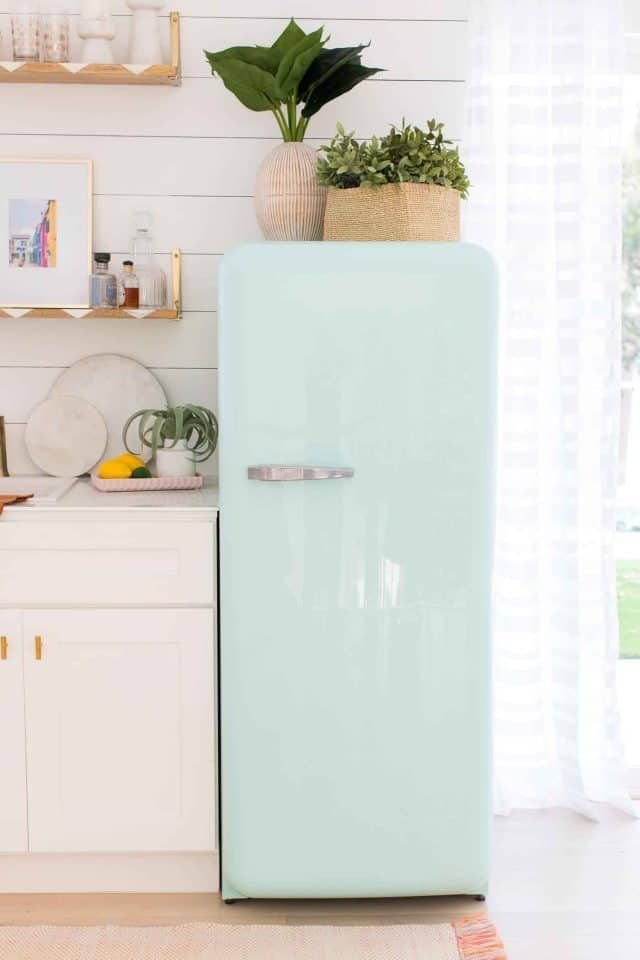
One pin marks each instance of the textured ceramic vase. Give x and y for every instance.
(289, 200)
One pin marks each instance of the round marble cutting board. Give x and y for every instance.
(117, 387)
(65, 436)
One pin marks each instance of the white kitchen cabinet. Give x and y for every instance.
(120, 727)
(105, 563)
(13, 770)
(108, 722)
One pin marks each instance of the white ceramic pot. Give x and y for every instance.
(144, 40)
(175, 461)
(289, 200)
(97, 34)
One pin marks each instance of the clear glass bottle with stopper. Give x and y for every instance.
(152, 279)
(104, 286)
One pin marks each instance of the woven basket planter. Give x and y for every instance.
(394, 211)
(289, 200)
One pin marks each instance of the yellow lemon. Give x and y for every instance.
(114, 470)
(131, 460)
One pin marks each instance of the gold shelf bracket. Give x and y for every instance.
(176, 274)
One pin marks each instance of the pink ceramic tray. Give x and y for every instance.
(139, 484)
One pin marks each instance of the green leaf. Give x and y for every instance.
(344, 79)
(254, 87)
(325, 64)
(296, 62)
(290, 36)
(263, 57)
(155, 436)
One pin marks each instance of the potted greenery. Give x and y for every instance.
(293, 79)
(406, 185)
(178, 437)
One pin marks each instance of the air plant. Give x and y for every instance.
(197, 426)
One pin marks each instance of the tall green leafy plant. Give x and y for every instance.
(407, 154)
(293, 78)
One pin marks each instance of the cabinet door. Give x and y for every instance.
(120, 730)
(13, 773)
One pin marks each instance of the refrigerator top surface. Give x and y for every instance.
(343, 256)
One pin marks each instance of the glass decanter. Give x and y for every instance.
(151, 277)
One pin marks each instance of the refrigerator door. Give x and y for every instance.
(355, 607)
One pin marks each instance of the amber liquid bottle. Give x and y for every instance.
(129, 287)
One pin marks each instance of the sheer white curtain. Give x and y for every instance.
(544, 151)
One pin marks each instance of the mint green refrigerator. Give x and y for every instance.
(357, 412)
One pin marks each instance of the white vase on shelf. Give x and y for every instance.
(144, 40)
(96, 29)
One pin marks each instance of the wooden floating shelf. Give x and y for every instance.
(162, 74)
(88, 313)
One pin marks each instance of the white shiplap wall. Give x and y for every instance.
(189, 155)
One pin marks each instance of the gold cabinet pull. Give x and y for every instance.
(38, 648)
(4, 646)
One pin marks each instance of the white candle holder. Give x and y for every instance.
(97, 34)
(144, 40)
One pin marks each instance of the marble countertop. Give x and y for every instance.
(83, 500)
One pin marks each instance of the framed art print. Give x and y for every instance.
(45, 232)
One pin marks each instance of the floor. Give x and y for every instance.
(562, 887)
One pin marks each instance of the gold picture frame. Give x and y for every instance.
(6, 264)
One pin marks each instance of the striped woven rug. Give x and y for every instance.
(472, 938)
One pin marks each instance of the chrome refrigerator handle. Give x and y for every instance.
(269, 471)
